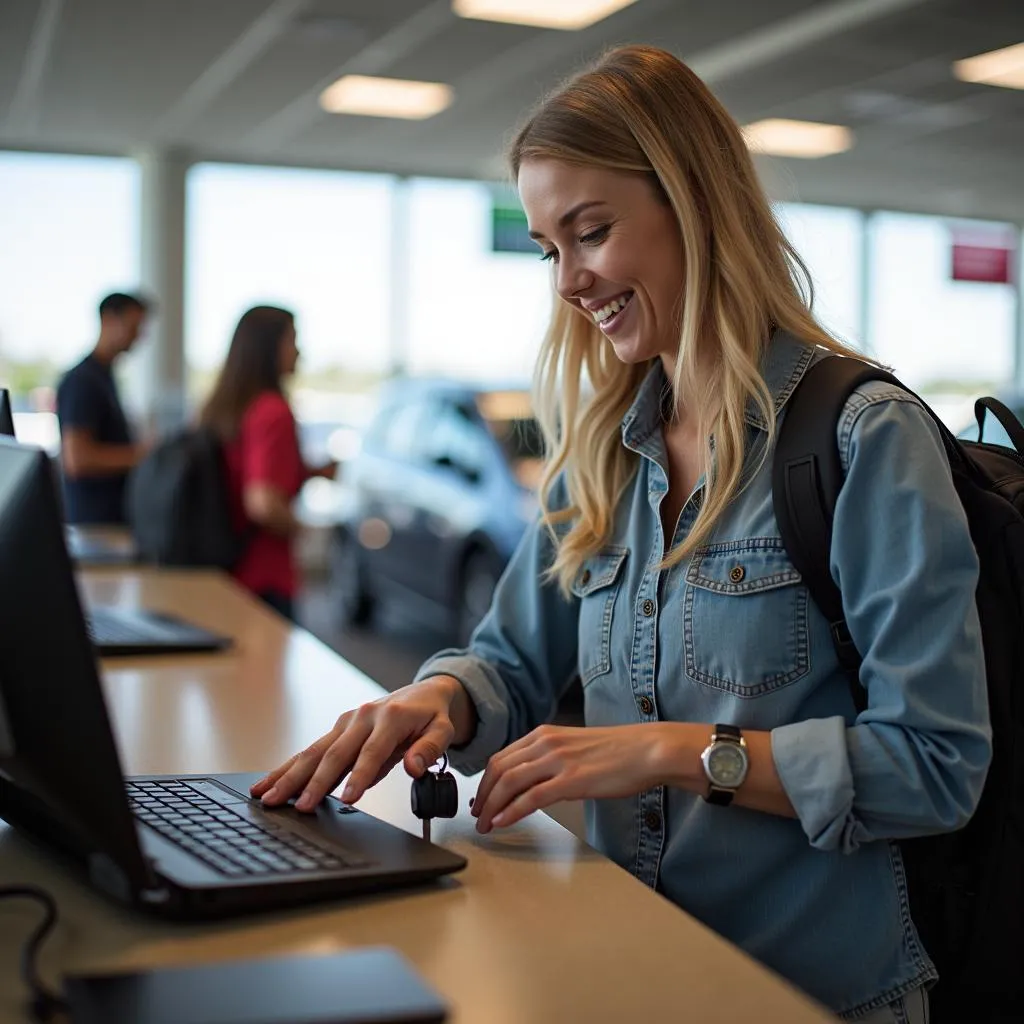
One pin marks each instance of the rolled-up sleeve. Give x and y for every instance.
(914, 761)
(521, 657)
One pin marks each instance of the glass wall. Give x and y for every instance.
(473, 313)
(830, 240)
(69, 230)
(382, 272)
(315, 242)
(951, 340)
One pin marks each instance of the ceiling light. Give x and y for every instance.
(385, 97)
(804, 139)
(1003, 67)
(566, 14)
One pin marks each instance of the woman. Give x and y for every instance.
(657, 574)
(249, 412)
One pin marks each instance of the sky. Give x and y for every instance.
(329, 245)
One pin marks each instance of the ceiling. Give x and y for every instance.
(239, 79)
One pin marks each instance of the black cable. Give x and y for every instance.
(45, 1004)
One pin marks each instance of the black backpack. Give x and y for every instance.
(965, 887)
(178, 505)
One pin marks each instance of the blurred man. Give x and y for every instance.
(96, 445)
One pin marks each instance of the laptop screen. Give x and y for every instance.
(59, 769)
(6, 416)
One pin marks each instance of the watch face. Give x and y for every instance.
(727, 764)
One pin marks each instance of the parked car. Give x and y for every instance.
(437, 497)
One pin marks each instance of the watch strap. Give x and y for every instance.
(719, 797)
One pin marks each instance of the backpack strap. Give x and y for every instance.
(1007, 420)
(807, 474)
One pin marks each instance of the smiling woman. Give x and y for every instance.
(722, 761)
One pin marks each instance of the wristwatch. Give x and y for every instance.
(726, 764)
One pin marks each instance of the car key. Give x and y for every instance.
(435, 795)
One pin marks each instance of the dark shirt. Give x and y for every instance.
(87, 400)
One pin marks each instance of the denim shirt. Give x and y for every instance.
(731, 635)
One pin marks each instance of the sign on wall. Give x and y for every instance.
(508, 225)
(981, 254)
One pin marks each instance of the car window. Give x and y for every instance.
(456, 439)
(399, 431)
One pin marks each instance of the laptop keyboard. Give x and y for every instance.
(231, 841)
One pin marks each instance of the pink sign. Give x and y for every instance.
(981, 256)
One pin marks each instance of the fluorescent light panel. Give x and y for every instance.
(806, 140)
(385, 97)
(1003, 67)
(564, 14)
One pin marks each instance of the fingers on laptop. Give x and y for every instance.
(319, 779)
(288, 779)
(378, 749)
(257, 789)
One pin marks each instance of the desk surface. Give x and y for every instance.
(539, 927)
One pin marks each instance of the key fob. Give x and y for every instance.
(435, 795)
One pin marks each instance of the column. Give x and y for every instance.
(867, 259)
(1018, 349)
(400, 276)
(160, 373)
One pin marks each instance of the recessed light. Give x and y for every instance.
(1003, 67)
(385, 97)
(564, 14)
(806, 140)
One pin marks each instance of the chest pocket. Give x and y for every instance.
(745, 622)
(596, 585)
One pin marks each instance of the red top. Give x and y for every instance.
(266, 451)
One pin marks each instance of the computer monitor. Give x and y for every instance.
(57, 751)
(6, 416)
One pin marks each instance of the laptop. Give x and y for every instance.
(190, 846)
(118, 631)
(88, 546)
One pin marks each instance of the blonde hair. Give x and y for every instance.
(639, 109)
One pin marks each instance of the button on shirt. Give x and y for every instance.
(731, 635)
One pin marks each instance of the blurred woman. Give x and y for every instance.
(248, 410)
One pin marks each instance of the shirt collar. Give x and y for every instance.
(785, 361)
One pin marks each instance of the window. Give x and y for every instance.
(315, 242)
(456, 440)
(473, 313)
(830, 241)
(69, 228)
(399, 430)
(950, 340)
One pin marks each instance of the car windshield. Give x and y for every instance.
(510, 419)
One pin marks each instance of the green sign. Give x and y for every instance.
(508, 227)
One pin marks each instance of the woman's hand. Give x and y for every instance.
(415, 724)
(557, 763)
